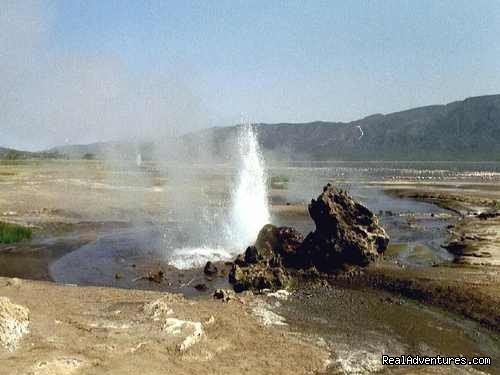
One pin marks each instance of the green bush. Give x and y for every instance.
(12, 233)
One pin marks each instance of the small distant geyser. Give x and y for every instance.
(249, 204)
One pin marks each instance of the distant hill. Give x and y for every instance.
(462, 130)
(467, 130)
(11, 154)
(103, 150)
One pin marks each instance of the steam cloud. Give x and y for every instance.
(50, 98)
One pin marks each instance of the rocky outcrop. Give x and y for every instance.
(347, 233)
(261, 266)
(14, 322)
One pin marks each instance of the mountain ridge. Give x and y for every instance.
(464, 130)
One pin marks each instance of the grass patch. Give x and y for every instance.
(12, 233)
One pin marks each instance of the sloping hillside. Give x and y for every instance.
(463, 130)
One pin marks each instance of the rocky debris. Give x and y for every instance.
(190, 332)
(210, 269)
(225, 295)
(14, 322)
(156, 277)
(347, 234)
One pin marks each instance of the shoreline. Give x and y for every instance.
(470, 285)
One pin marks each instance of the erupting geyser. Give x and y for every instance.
(248, 211)
(249, 207)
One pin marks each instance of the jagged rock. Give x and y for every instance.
(289, 240)
(276, 240)
(261, 265)
(346, 233)
(14, 322)
(258, 276)
(210, 269)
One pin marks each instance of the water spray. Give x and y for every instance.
(249, 204)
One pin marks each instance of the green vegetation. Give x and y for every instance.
(12, 233)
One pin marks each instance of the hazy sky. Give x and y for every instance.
(80, 71)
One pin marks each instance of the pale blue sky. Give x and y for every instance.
(266, 61)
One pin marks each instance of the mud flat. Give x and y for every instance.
(88, 330)
(94, 330)
(348, 323)
(360, 324)
(470, 284)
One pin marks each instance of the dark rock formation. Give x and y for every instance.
(347, 233)
(201, 287)
(261, 266)
(488, 215)
(210, 269)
